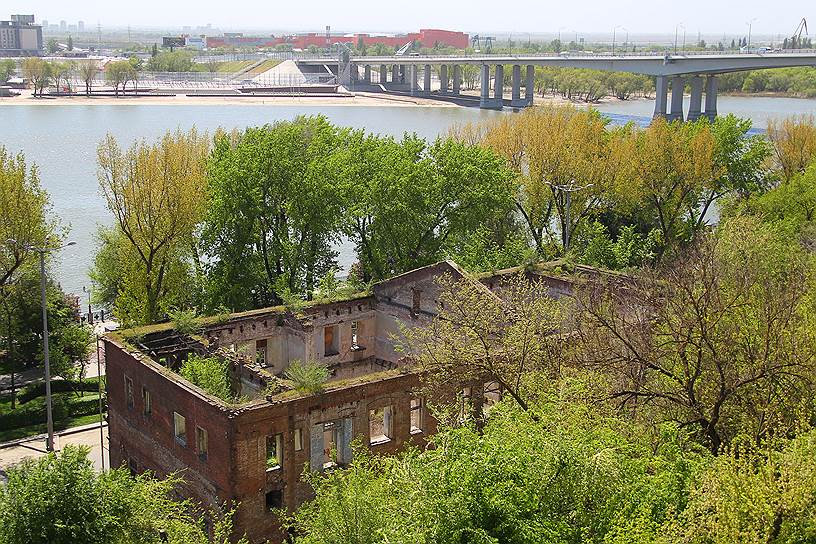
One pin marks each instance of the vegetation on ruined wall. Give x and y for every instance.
(61, 499)
(210, 374)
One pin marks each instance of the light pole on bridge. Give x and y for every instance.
(676, 28)
(750, 24)
(614, 30)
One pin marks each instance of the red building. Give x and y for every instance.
(426, 37)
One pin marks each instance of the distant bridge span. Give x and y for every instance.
(669, 70)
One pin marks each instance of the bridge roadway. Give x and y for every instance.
(670, 70)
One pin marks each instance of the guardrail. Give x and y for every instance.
(175, 80)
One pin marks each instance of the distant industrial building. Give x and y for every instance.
(425, 37)
(20, 37)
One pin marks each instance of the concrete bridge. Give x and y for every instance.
(671, 72)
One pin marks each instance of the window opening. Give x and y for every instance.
(201, 443)
(274, 452)
(379, 425)
(416, 416)
(129, 392)
(298, 439)
(180, 428)
(147, 407)
(330, 339)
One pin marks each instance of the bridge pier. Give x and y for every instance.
(678, 85)
(426, 80)
(383, 73)
(443, 79)
(367, 74)
(696, 102)
(457, 79)
(354, 75)
(711, 97)
(394, 73)
(661, 96)
(485, 101)
(414, 78)
(529, 85)
(498, 85)
(402, 73)
(516, 100)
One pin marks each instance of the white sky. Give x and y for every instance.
(517, 16)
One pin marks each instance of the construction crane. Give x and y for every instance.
(476, 41)
(796, 39)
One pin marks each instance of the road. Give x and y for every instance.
(34, 448)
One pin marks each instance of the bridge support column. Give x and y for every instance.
(354, 75)
(395, 74)
(529, 85)
(484, 99)
(383, 74)
(516, 101)
(402, 73)
(414, 77)
(678, 86)
(367, 74)
(696, 102)
(457, 79)
(426, 80)
(661, 96)
(711, 97)
(498, 84)
(443, 79)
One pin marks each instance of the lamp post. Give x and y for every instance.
(676, 29)
(49, 444)
(750, 24)
(90, 310)
(614, 30)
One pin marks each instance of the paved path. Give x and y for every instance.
(12, 453)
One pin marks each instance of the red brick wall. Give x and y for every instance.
(149, 440)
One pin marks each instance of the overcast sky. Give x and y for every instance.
(519, 16)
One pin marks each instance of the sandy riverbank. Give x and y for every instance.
(359, 99)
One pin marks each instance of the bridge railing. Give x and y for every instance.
(591, 54)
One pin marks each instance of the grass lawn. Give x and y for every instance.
(263, 67)
(232, 66)
(28, 417)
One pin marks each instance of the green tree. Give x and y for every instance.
(70, 43)
(52, 46)
(7, 69)
(118, 74)
(156, 193)
(87, 71)
(38, 72)
(210, 374)
(719, 340)
(406, 200)
(61, 499)
(273, 212)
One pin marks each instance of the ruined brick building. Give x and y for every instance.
(253, 453)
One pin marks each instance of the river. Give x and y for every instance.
(62, 141)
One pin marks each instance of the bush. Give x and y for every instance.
(210, 374)
(308, 377)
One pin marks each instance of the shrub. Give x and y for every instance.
(308, 377)
(210, 374)
(185, 322)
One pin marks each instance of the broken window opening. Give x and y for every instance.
(330, 341)
(180, 428)
(417, 416)
(129, 392)
(274, 452)
(416, 301)
(147, 406)
(466, 403)
(274, 499)
(355, 330)
(202, 445)
(298, 439)
(492, 395)
(260, 353)
(330, 440)
(379, 425)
